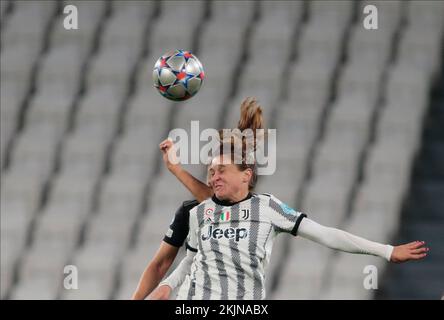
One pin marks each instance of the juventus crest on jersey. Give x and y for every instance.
(233, 244)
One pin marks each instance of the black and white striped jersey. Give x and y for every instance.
(233, 244)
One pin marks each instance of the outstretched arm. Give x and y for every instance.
(175, 279)
(199, 189)
(344, 241)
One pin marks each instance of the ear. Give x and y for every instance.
(247, 175)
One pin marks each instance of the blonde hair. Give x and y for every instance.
(250, 118)
(250, 115)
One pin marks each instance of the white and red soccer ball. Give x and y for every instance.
(178, 75)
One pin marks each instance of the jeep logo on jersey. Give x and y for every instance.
(229, 233)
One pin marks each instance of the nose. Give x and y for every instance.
(215, 177)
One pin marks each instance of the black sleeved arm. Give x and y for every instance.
(179, 227)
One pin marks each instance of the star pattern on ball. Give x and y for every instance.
(178, 75)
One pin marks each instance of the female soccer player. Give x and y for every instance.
(250, 117)
(232, 235)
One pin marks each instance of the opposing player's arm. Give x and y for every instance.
(344, 241)
(155, 270)
(163, 259)
(200, 190)
(175, 279)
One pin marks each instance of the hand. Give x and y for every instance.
(410, 251)
(169, 155)
(160, 293)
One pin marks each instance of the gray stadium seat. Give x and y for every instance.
(19, 186)
(89, 15)
(35, 149)
(325, 200)
(122, 195)
(426, 14)
(316, 39)
(43, 263)
(17, 61)
(348, 276)
(114, 231)
(96, 272)
(333, 12)
(175, 27)
(83, 155)
(59, 227)
(389, 14)
(278, 15)
(69, 187)
(346, 156)
(113, 65)
(27, 22)
(101, 105)
(92, 289)
(127, 24)
(133, 157)
(303, 276)
(369, 48)
(76, 194)
(169, 191)
(8, 260)
(309, 84)
(220, 51)
(16, 220)
(43, 288)
(420, 47)
(147, 108)
(63, 64)
(156, 222)
(239, 14)
(360, 79)
(50, 110)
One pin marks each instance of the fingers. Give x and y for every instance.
(418, 256)
(415, 244)
(420, 250)
(417, 253)
(163, 142)
(166, 144)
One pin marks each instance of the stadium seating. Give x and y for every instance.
(81, 124)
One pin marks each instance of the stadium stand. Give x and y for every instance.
(82, 179)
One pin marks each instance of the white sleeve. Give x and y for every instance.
(177, 277)
(341, 240)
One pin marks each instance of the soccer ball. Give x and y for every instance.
(178, 75)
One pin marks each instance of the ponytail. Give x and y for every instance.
(250, 118)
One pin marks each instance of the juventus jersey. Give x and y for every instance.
(233, 244)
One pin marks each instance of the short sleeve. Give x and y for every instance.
(283, 217)
(179, 227)
(192, 234)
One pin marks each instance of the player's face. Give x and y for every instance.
(226, 179)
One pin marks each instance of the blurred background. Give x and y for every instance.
(359, 117)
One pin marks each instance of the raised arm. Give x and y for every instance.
(200, 190)
(344, 241)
